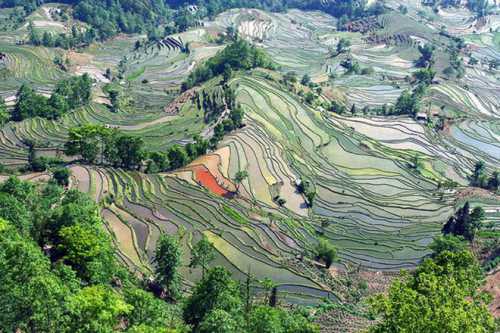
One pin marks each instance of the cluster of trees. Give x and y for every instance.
(456, 68)
(424, 76)
(353, 67)
(58, 271)
(218, 303)
(426, 58)
(66, 41)
(134, 16)
(325, 252)
(239, 55)
(215, 103)
(4, 114)
(68, 95)
(480, 178)
(465, 223)
(409, 100)
(480, 7)
(440, 296)
(305, 187)
(96, 144)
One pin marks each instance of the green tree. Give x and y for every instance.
(306, 79)
(220, 321)
(407, 103)
(33, 299)
(167, 261)
(28, 104)
(424, 75)
(447, 243)
(147, 309)
(310, 196)
(88, 250)
(96, 309)
(177, 156)
(216, 291)
(114, 98)
(325, 251)
(343, 45)
(290, 77)
(12, 209)
(202, 254)
(130, 151)
(465, 223)
(76, 208)
(494, 181)
(158, 162)
(86, 141)
(4, 114)
(239, 177)
(441, 296)
(426, 55)
(266, 319)
(479, 177)
(61, 176)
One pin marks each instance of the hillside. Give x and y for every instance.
(314, 148)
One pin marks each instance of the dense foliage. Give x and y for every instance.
(58, 271)
(131, 16)
(68, 95)
(480, 178)
(217, 305)
(239, 55)
(465, 223)
(96, 144)
(441, 296)
(480, 7)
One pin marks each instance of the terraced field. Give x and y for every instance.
(143, 206)
(157, 129)
(25, 64)
(379, 209)
(369, 198)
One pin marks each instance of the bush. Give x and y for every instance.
(326, 251)
(61, 176)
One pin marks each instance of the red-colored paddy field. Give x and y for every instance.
(206, 179)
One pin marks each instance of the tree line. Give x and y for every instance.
(443, 294)
(97, 144)
(479, 7)
(76, 38)
(107, 19)
(480, 178)
(68, 95)
(239, 55)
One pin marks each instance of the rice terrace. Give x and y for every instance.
(251, 166)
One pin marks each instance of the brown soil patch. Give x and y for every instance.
(176, 105)
(79, 59)
(378, 282)
(476, 192)
(492, 286)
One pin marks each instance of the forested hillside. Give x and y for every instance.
(111, 17)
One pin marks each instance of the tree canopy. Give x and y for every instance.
(441, 296)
